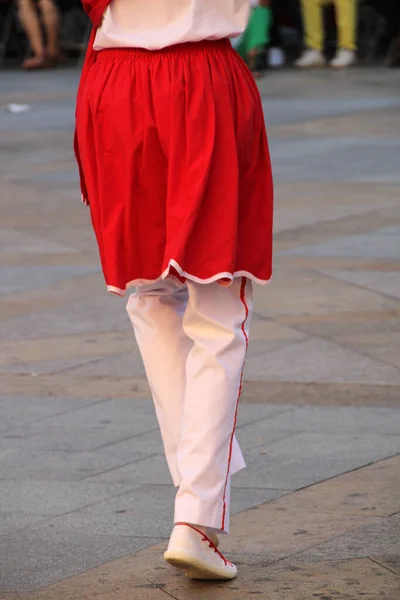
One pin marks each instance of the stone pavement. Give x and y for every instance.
(85, 497)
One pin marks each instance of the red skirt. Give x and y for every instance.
(175, 161)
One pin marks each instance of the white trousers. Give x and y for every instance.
(193, 340)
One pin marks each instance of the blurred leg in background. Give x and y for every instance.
(46, 52)
(276, 54)
(314, 33)
(51, 22)
(257, 35)
(346, 19)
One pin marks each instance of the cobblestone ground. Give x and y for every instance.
(85, 497)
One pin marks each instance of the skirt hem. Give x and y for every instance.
(226, 276)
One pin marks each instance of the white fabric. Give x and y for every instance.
(193, 348)
(157, 24)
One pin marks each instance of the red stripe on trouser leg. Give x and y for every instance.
(243, 299)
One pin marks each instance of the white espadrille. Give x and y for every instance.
(344, 58)
(192, 551)
(310, 58)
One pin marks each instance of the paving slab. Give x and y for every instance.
(338, 419)
(306, 458)
(54, 498)
(376, 539)
(18, 411)
(68, 551)
(383, 244)
(28, 464)
(89, 428)
(318, 360)
(384, 283)
(20, 278)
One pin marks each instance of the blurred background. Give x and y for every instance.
(47, 33)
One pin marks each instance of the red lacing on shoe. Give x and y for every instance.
(210, 543)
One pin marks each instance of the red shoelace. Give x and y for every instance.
(210, 543)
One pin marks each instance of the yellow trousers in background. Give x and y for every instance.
(346, 21)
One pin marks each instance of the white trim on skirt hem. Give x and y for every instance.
(182, 273)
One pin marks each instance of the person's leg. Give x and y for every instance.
(156, 312)
(29, 19)
(51, 21)
(258, 34)
(313, 24)
(217, 321)
(314, 34)
(346, 11)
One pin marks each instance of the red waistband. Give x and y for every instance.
(204, 45)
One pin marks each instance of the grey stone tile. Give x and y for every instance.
(54, 115)
(376, 540)
(21, 242)
(18, 411)
(71, 318)
(19, 464)
(326, 159)
(147, 510)
(383, 244)
(91, 427)
(318, 360)
(246, 498)
(53, 498)
(122, 365)
(251, 412)
(48, 554)
(262, 433)
(15, 521)
(307, 458)
(20, 278)
(152, 470)
(285, 110)
(34, 368)
(377, 281)
(337, 419)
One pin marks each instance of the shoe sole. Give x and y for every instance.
(338, 67)
(195, 568)
(313, 66)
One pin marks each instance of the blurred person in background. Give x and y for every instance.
(257, 34)
(313, 56)
(276, 54)
(390, 9)
(46, 53)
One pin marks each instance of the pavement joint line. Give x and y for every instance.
(354, 470)
(83, 364)
(60, 414)
(79, 508)
(162, 589)
(358, 285)
(125, 439)
(384, 566)
(284, 412)
(335, 343)
(132, 462)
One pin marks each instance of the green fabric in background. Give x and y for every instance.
(256, 35)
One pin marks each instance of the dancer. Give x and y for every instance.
(174, 164)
